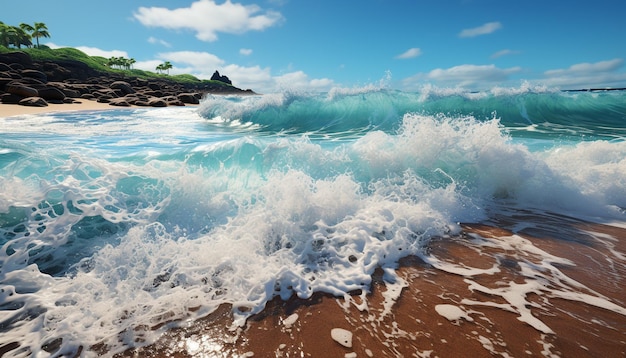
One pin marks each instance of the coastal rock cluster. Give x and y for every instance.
(37, 83)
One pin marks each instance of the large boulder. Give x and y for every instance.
(157, 102)
(38, 75)
(119, 102)
(122, 86)
(189, 98)
(68, 90)
(9, 98)
(4, 81)
(33, 102)
(51, 93)
(21, 90)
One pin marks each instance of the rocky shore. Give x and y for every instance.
(26, 82)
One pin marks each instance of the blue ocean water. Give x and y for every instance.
(116, 225)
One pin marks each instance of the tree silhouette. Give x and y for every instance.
(25, 32)
(7, 34)
(13, 35)
(164, 67)
(120, 62)
(39, 30)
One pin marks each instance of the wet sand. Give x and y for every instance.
(434, 312)
(9, 110)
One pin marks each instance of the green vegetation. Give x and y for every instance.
(16, 36)
(164, 67)
(12, 38)
(121, 63)
(22, 35)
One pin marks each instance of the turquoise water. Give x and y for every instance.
(113, 221)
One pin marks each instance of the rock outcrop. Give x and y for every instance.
(217, 77)
(27, 82)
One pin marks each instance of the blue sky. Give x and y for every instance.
(270, 45)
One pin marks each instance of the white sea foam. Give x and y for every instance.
(103, 247)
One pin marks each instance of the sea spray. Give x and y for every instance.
(118, 225)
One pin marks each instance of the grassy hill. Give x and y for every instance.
(99, 64)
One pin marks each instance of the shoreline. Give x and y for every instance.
(14, 110)
(432, 311)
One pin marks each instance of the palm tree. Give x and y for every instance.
(5, 34)
(40, 30)
(131, 62)
(160, 68)
(21, 37)
(26, 28)
(13, 35)
(166, 66)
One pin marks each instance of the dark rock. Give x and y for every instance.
(189, 98)
(51, 93)
(105, 92)
(38, 75)
(68, 90)
(87, 96)
(33, 102)
(18, 57)
(9, 98)
(4, 81)
(172, 101)
(217, 77)
(4, 67)
(11, 74)
(21, 90)
(124, 87)
(157, 102)
(119, 102)
(17, 67)
(31, 82)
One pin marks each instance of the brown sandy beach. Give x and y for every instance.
(431, 312)
(9, 110)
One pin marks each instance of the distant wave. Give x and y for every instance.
(599, 114)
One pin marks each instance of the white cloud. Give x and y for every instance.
(300, 80)
(93, 51)
(481, 30)
(259, 79)
(245, 51)
(588, 68)
(410, 53)
(197, 60)
(206, 18)
(467, 76)
(255, 78)
(587, 75)
(154, 40)
(504, 52)
(147, 65)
